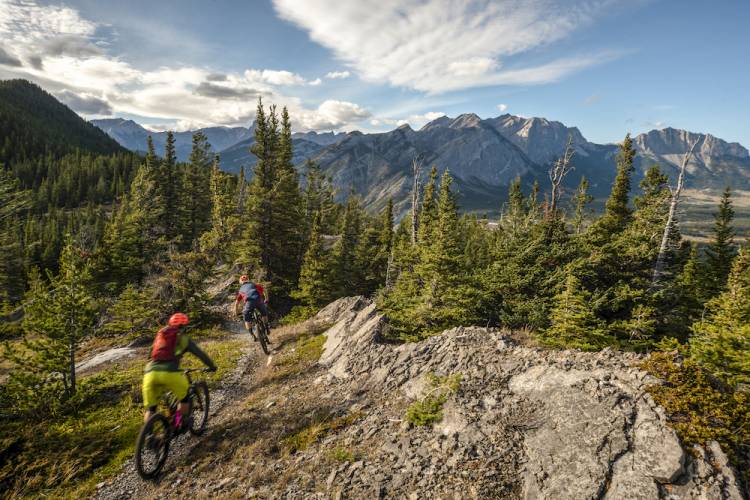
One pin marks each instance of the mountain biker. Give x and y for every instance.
(162, 373)
(250, 295)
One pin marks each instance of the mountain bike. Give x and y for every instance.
(261, 330)
(152, 447)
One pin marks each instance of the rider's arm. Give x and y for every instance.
(198, 352)
(237, 303)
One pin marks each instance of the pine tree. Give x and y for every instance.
(314, 288)
(168, 187)
(514, 220)
(134, 311)
(721, 342)
(319, 197)
(581, 199)
(428, 212)
(617, 213)
(447, 296)
(195, 196)
(58, 316)
(573, 324)
(721, 250)
(347, 275)
(276, 224)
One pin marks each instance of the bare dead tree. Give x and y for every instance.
(669, 226)
(557, 173)
(416, 169)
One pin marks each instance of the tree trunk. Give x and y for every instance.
(557, 173)
(669, 226)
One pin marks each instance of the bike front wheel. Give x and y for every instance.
(152, 447)
(199, 406)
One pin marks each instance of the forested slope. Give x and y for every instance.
(33, 123)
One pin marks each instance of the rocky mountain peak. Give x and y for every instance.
(466, 120)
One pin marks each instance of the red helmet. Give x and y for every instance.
(244, 279)
(178, 319)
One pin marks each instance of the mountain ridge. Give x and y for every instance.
(485, 155)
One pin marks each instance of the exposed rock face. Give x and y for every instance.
(525, 423)
(714, 161)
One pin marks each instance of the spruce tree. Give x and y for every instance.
(617, 213)
(721, 341)
(58, 316)
(721, 250)
(195, 196)
(314, 288)
(428, 210)
(319, 197)
(447, 296)
(224, 220)
(573, 324)
(275, 230)
(347, 274)
(168, 188)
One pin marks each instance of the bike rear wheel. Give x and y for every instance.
(263, 335)
(152, 447)
(199, 406)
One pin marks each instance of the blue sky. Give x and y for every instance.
(606, 66)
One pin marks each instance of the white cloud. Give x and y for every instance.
(333, 75)
(66, 54)
(443, 45)
(332, 114)
(502, 108)
(415, 121)
(273, 77)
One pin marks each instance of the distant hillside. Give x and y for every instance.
(33, 123)
(133, 136)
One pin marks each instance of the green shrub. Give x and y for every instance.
(701, 407)
(429, 409)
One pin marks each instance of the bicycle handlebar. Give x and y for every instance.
(191, 370)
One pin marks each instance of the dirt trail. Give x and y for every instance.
(232, 388)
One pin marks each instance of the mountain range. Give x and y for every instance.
(484, 156)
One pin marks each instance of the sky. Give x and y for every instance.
(606, 66)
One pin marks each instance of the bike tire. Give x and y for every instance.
(263, 334)
(150, 469)
(199, 406)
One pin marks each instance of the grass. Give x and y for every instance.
(315, 431)
(341, 455)
(429, 409)
(305, 352)
(67, 456)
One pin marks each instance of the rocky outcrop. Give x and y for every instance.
(525, 423)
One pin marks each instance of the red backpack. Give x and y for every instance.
(165, 344)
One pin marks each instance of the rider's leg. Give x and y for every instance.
(152, 391)
(247, 316)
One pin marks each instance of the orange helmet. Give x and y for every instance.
(178, 319)
(244, 279)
